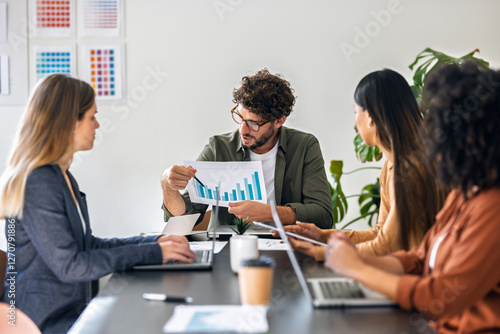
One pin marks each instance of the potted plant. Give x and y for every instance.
(369, 198)
(242, 247)
(240, 225)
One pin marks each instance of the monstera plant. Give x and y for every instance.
(369, 198)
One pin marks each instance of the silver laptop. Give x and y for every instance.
(331, 291)
(204, 258)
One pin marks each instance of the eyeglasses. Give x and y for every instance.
(252, 125)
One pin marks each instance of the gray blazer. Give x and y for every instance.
(55, 260)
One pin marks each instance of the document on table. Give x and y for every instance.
(239, 181)
(217, 319)
(207, 245)
(271, 244)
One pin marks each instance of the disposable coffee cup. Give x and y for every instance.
(256, 280)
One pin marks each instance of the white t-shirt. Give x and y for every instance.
(82, 219)
(268, 166)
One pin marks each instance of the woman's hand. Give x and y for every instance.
(341, 255)
(308, 230)
(175, 247)
(307, 248)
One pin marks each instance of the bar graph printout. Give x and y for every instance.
(240, 181)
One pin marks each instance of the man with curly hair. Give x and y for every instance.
(292, 161)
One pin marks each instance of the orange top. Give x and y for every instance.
(462, 292)
(384, 238)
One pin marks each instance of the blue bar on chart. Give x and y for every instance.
(256, 182)
(247, 190)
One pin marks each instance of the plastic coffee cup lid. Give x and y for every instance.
(263, 261)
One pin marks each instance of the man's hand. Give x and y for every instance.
(255, 211)
(177, 177)
(175, 247)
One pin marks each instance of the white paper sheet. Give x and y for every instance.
(102, 67)
(271, 244)
(49, 59)
(100, 18)
(240, 180)
(95, 313)
(53, 19)
(207, 245)
(217, 319)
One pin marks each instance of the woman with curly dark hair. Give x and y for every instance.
(453, 276)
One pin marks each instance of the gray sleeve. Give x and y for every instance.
(47, 225)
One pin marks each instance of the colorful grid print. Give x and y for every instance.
(53, 13)
(48, 62)
(100, 14)
(102, 71)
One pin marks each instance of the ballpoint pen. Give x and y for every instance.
(198, 181)
(166, 298)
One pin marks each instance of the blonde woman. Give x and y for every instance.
(46, 214)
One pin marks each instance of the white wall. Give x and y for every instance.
(206, 52)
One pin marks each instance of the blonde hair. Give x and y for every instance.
(44, 135)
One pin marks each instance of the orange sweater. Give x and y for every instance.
(384, 238)
(462, 292)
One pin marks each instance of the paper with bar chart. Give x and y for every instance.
(239, 181)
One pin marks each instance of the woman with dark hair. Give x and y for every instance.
(47, 219)
(387, 116)
(454, 274)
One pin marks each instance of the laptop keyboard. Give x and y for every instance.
(201, 257)
(341, 289)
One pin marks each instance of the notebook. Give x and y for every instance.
(330, 291)
(204, 258)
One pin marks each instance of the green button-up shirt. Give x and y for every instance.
(299, 180)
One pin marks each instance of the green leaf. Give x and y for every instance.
(339, 204)
(421, 55)
(358, 140)
(240, 225)
(365, 153)
(430, 60)
(359, 218)
(336, 167)
(417, 91)
(365, 208)
(419, 76)
(366, 193)
(376, 193)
